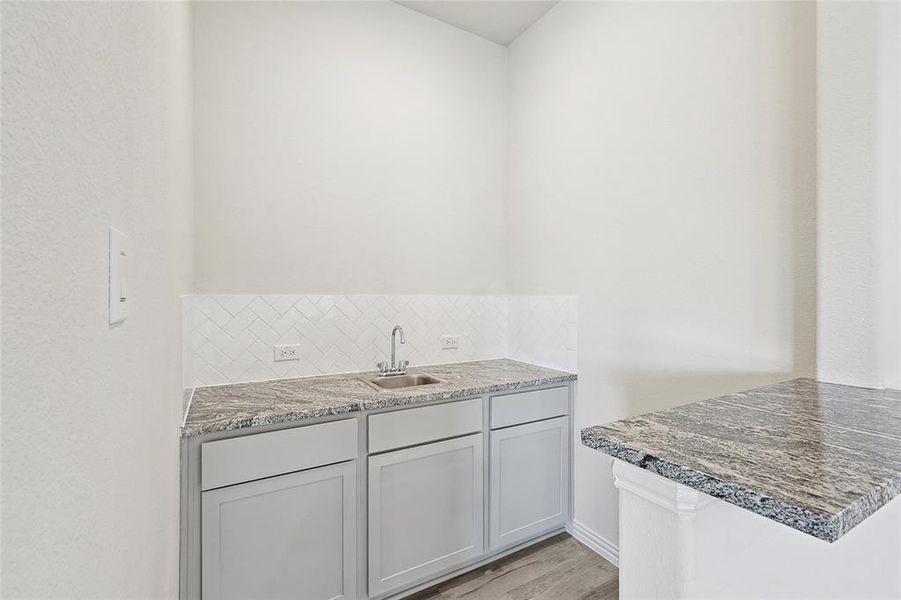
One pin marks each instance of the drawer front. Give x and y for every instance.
(236, 460)
(525, 407)
(425, 424)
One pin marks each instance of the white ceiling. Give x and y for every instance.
(500, 21)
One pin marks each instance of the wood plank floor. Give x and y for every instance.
(559, 568)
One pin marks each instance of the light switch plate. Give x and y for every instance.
(118, 270)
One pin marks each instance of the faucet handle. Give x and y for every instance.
(402, 365)
(384, 367)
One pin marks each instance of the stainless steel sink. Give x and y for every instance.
(393, 382)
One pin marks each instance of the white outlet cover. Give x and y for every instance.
(450, 342)
(286, 352)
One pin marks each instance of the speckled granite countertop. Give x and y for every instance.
(817, 457)
(227, 407)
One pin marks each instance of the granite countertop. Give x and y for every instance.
(239, 405)
(817, 457)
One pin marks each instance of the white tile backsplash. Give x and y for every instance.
(543, 330)
(230, 338)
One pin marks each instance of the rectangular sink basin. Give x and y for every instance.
(393, 382)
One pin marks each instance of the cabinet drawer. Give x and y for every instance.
(524, 407)
(235, 460)
(428, 423)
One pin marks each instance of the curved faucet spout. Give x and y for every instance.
(403, 340)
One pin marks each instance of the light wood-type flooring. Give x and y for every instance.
(559, 568)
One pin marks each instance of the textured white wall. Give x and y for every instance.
(346, 147)
(662, 169)
(96, 107)
(859, 165)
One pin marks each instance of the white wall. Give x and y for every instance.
(96, 107)
(659, 163)
(662, 168)
(859, 94)
(350, 147)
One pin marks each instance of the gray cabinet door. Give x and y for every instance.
(291, 536)
(425, 512)
(529, 481)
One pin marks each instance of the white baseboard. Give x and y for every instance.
(595, 541)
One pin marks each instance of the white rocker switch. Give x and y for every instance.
(118, 261)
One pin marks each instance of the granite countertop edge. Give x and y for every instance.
(352, 402)
(398, 401)
(824, 527)
(273, 419)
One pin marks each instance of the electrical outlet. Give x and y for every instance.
(450, 342)
(287, 352)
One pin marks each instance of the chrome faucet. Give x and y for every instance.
(395, 368)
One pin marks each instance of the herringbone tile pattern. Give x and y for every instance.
(543, 330)
(230, 338)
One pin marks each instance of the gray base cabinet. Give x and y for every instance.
(376, 504)
(529, 489)
(290, 536)
(425, 512)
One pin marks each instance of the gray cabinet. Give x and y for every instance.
(314, 512)
(529, 483)
(425, 512)
(290, 536)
